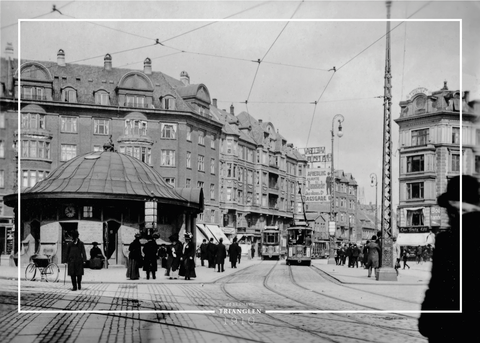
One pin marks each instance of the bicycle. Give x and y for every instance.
(48, 270)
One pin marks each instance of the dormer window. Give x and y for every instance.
(168, 131)
(33, 93)
(69, 95)
(168, 102)
(135, 101)
(102, 98)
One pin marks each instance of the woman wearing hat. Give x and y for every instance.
(134, 258)
(96, 257)
(174, 255)
(187, 267)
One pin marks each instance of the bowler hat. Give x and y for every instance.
(94, 243)
(470, 191)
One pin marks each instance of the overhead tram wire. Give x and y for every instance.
(54, 9)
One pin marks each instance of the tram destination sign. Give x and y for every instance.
(414, 229)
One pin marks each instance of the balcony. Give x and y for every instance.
(137, 105)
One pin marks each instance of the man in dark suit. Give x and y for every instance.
(221, 255)
(211, 251)
(204, 251)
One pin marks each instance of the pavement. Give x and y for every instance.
(418, 274)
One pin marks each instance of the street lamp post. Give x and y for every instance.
(374, 182)
(332, 226)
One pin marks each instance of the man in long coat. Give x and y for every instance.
(76, 257)
(233, 253)
(174, 255)
(373, 259)
(204, 251)
(187, 266)
(221, 255)
(150, 257)
(212, 250)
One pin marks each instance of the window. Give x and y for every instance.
(212, 216)
(189, 159)
(212, 166)
(168, 158)
(189, 134)
(2, 149)
(144, 154)
(34, 93)
(168, 103)
(36, 149)
(240, 196)
(455, 163)
(229, 194)
(87, 211)
(250, 177)
(67, 152)
(414, 217)
(168, 131)
(135, 127)
(31, 177)
(229, 145)
(135, 101)
(415, 190)
(212, 142)
(229, 169)
(201, 138)
(249, 198)
(170, 181)
(68, 124)
(212, 191)
(69, 95)
(102, 98)
(201, 163)
(100, 126)
(415, 163)
(420, 137)
(188, 182)
(2, 178)
(455, 135)
(240, 174)
(200, 184)
(32, 121)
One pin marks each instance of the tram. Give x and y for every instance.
(299, 246)
(271, 243)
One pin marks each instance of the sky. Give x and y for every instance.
(219, 43)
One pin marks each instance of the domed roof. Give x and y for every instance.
(110, 175)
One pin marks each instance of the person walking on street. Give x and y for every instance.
(373, 256)
(253, 251)
(187, 267)
(360, 256)
(134, 258)
(365, 255)
(396, 254)
(239, 253)
(443, 293)
(76, 258)
(233, 253)
(163, 255)
(204, 252)
(150, 257)
(405, 258)
(212, 250)
(348, 254)
(174, 255)
(418, 253)
(355, 254)
(221, 255)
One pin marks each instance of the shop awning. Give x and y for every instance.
(218, 233)
(412, 239)
(203, 233)
(228, 230)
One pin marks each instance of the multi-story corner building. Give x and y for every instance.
(249, 175)
(345, 206)
(70, 109)
(430, 155)
(260, 175)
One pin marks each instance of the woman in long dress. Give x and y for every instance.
(134, 258)
(187, 267)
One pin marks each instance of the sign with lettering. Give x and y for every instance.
(416, 91)
(317, 189)
(435, 216)
(50, 233)
(90, 231)
(414, 229)
(317, 157)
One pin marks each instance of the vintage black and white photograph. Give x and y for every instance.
(238, 171)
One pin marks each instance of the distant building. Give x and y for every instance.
(430, 155)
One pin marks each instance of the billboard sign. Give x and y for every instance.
(317, 189)
(317, 157)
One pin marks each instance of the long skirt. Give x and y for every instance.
(187, 269)
(133, 272)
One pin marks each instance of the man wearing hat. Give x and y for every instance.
(174, 255)
(187, 266)
(96, 257)
(443, 292)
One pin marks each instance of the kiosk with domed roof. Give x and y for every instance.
(107, 197)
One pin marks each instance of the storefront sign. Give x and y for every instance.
(414, 229)
(317, 157)
(435, 216)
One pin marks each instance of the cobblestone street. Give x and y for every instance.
(263, 301)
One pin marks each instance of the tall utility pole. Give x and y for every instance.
(386, 271)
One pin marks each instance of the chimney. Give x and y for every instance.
(260, 121)
(61, 58)
(107, 62)
(10, 71)
(232, 110)
(214, 102)
(185, 78)
(147, 66)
